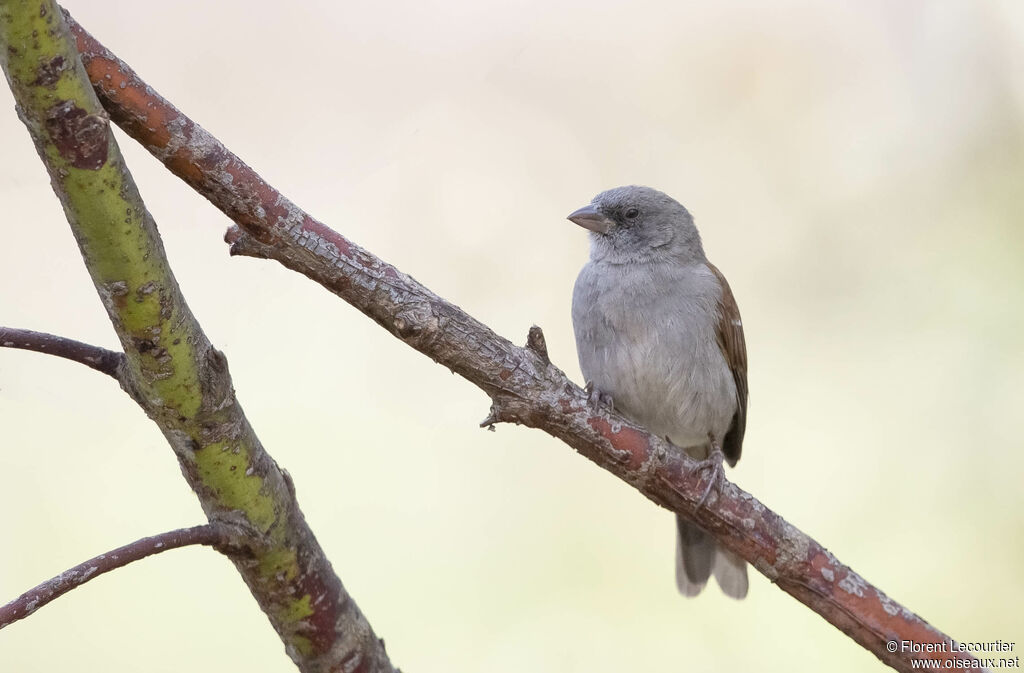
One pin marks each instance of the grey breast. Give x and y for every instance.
(645, 334)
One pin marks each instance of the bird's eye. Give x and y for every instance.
(632, 214)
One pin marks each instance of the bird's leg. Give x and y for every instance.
(599, 398)
(714, 463)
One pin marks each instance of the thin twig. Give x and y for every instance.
(30, 601)
(100, 359)
(524, 387)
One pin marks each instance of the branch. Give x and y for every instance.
(523, 385)
(100, 359)
(171, 369)
(209, 534)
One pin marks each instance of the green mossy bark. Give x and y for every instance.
(172, 370)
(119, 242)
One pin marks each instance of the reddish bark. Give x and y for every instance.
(523, 385)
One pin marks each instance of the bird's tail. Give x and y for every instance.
(698, 557)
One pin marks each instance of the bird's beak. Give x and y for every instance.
(591, 218)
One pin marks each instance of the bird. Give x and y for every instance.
(660, 340)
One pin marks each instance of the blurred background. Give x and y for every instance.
(856, 170)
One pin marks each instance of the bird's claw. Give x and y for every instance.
(714, 463)
(599, 398)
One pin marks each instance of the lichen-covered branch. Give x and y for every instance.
(24, 605)
(523, 385)
(100, 359)
(170, 367)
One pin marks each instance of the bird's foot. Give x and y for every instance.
(712, 463)
(599, 398)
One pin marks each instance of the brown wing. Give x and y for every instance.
(734, 348)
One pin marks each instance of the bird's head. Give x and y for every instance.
(637, 224)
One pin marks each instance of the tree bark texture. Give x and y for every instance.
(170, 368)
(524, 386)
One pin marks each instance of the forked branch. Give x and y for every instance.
(170, 367)
(523, 385)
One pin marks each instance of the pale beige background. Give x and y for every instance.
(857, 170)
